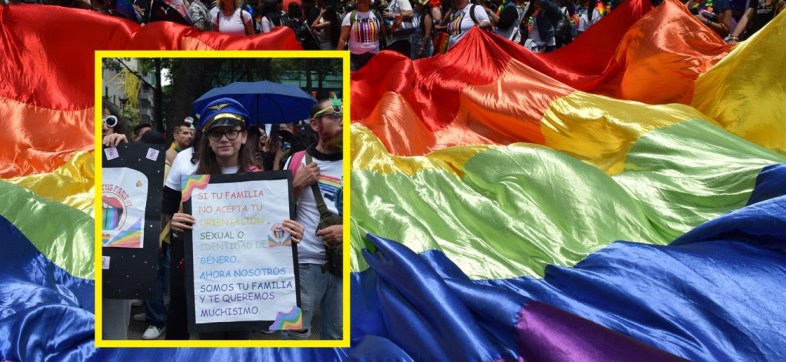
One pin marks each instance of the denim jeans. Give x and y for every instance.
(155, 310)
(321, 288)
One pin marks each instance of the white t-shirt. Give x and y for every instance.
(230, 24)
(585, 23)
(266, 25)
(182, 166)
(461, 22)
(311, 250)
(364, 33)
(398, 7)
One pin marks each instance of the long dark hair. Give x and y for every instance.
(331, 15)
(271, 11)
(122, 125)
(207, 158)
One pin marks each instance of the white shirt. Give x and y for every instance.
(584, 22)
(461, 22)
(266, 25)
(364, 33)
(311, 250)
(230, 24)
(182, 166)
(398, 7)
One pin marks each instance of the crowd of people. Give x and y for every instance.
(419, 28)
(227, 141)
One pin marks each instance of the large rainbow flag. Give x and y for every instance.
(622, 198)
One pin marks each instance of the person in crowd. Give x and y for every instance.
(543, 17)
(183, 135)
(317, 185)
(422, 39)
(222, 149)
(263, 156)
(113, 127)
(310, 11)
(175, 11)
(564, 30)
(326, 26)
(116, 312)
(505, 19)
(140, 130)
(756, 16)
(534, 42)
(155, 308)
(398, 15)
(229, 17)
(462, 18)
(715, 14)
(271, 15)
(200, 15)
(590, 12)
(361, 29)
(295, 20)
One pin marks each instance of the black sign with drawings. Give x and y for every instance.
(131, 191)
(241, 266)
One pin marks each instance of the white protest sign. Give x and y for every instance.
(243, 263)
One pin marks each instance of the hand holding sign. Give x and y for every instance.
(181, 222)
(240, 257)
(293, 228)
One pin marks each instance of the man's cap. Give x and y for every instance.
(223, 112)
(142, 125)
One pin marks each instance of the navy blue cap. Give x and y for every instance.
(223, 112)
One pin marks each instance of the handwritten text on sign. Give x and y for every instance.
(243, 264)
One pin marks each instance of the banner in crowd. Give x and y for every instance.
(241, 265)
(131, 191)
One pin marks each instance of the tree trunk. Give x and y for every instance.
(309, 85)
(158, 107)
(190, 80)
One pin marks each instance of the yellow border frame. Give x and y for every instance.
(99, 55)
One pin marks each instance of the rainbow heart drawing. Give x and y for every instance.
(289, 320)
(278, 237)
(192, 182)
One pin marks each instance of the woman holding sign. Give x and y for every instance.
(222, 149)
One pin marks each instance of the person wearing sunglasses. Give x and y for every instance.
(222, 149)
(317, 185)
(112, 127)
(116, 311)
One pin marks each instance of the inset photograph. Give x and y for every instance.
(221, 208)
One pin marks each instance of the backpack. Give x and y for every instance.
(383, 26)
(563, 29)
(161, 11)
(472, 14)
(334, 254)
(515, 36)
(302, 32)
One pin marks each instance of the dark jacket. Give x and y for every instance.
(547, 19)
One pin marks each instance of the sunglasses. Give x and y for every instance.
(110, 121)
(334, 112)
(231, 135)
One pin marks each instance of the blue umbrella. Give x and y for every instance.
(267, 102)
